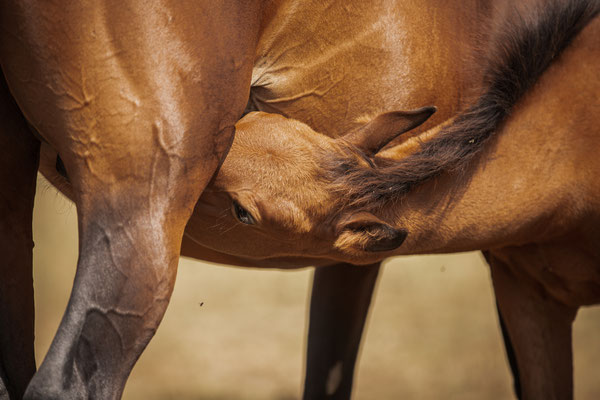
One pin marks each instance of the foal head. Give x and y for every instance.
(273, 195)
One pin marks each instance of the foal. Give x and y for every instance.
(516, 176)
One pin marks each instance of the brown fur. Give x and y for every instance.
(532, 197)
(297, 73)
(520, 53)
(114, 89)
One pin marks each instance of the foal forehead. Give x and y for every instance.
(265, 130)
(276, 161)
(276, 146)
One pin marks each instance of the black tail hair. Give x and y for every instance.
(519, 54)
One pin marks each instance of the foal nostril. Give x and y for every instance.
(388, 240)
(402, 234)
(400, 237)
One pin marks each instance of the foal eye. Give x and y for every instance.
(242, 214)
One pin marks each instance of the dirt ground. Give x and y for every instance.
(239, 334)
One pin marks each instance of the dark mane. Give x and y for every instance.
(521, 51)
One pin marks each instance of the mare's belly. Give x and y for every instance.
(567, 269)
(337, 66)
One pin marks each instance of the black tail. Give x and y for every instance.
(523, 49)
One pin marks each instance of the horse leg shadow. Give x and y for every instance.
(18, 170)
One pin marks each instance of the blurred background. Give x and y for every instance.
(240, 334)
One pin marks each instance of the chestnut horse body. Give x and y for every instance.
(530, 197)
(139, 102)
(514, 175)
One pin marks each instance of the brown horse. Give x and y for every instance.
(140, 102)
(515, 175)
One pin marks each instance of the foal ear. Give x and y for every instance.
(363, 231)
(374, 135)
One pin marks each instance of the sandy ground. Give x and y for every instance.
(432, 334)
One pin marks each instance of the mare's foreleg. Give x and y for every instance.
(18, 169)
(341, 296)
(132, 208)
(537, 330)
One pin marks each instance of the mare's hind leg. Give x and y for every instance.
(340, 301)
(538, 328)
(18, 168)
